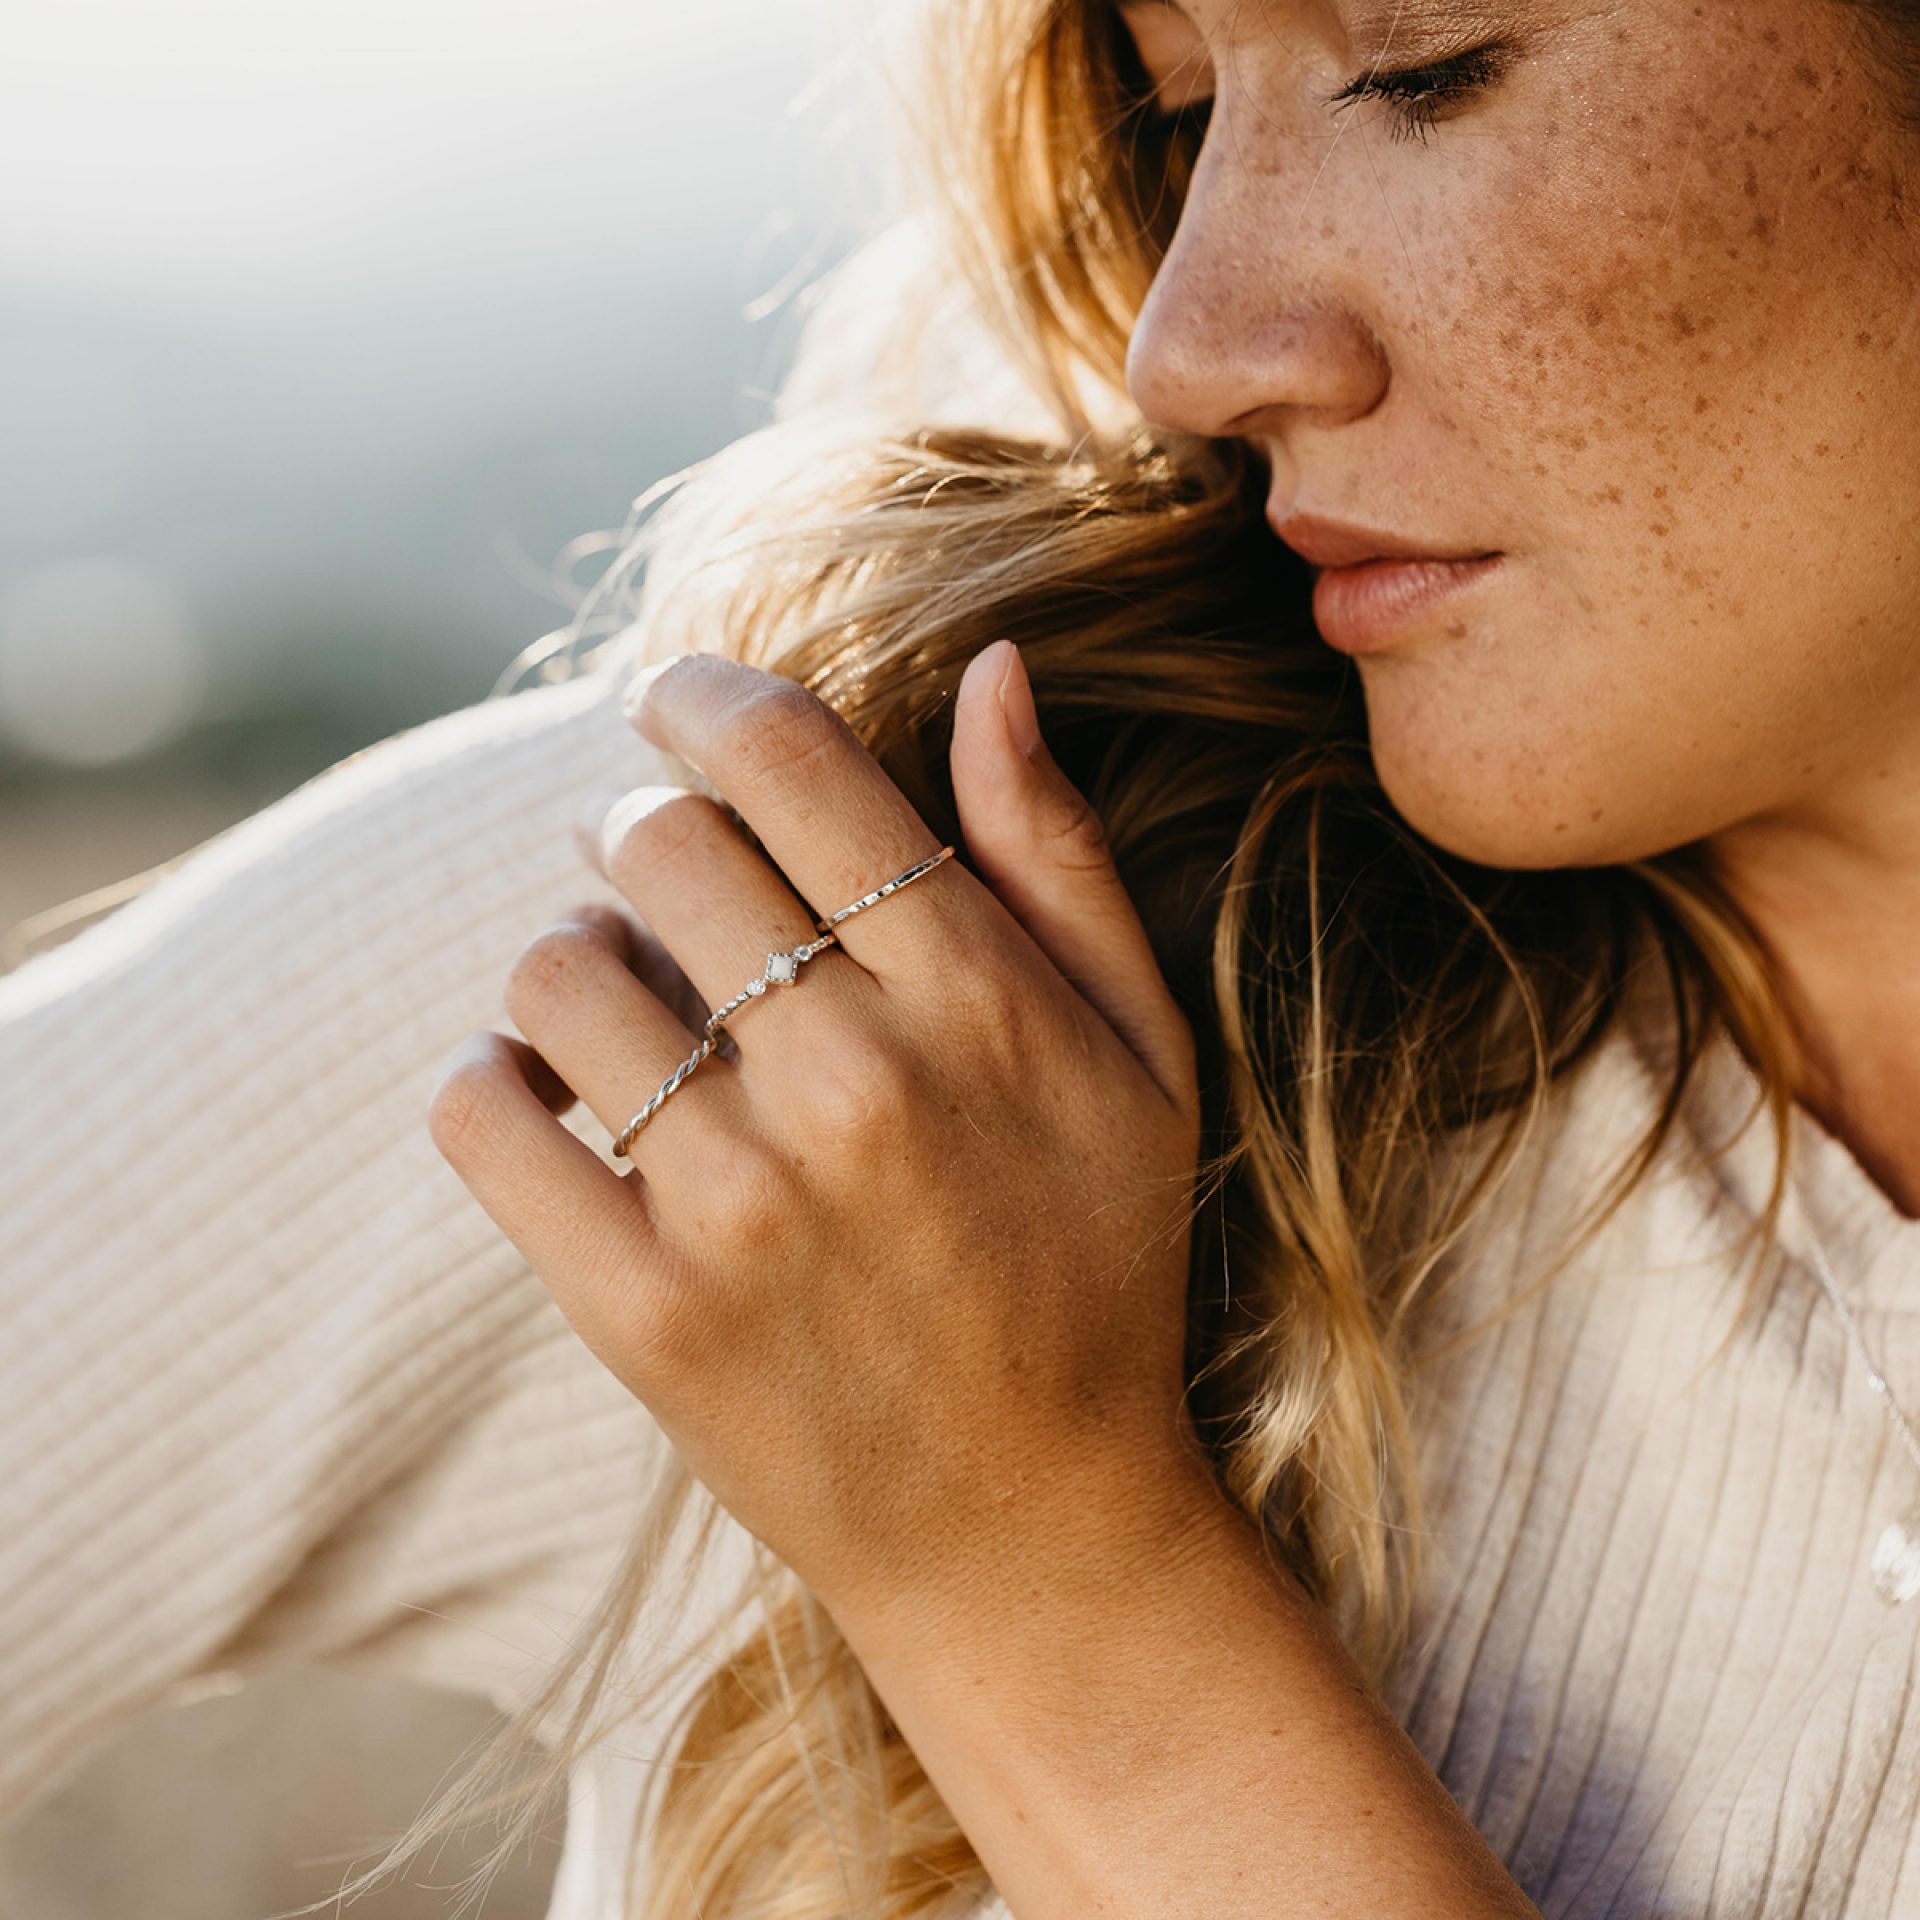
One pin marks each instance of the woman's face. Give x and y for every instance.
(1643, 315)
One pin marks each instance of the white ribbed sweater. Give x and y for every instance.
(276, 1388)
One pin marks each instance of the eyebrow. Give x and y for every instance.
(1451, 13)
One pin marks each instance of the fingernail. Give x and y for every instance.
(587, 822)
(1016, 704)
(635, 691)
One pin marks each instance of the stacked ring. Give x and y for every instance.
(781, 970)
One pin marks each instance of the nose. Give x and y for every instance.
(1238, 334)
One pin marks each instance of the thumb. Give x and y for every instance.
(1036, 840)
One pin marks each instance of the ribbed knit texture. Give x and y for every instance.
(1649, 1662)
(276, 1388)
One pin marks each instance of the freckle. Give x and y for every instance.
(1771, 36)
(1821, 448)
(1683, 323)
(1594, 313)
(1597, 813)
(1762, 228)
(1701, 403)
(1657, 530)
(1806, 75)
(1659, 493)
(1862, 339)
(1560, 827)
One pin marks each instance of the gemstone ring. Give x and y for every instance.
(781, 970)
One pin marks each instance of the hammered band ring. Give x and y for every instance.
(781, 970)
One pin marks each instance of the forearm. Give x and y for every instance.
(1159, 1724)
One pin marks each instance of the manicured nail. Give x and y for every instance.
(1016, 704)
(635, 692)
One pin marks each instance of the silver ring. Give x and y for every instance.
(668, 1086)
(781, 970)
(894, 885)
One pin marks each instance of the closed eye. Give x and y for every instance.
(1417, 94)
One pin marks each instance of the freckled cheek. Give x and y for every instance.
(1619, 331)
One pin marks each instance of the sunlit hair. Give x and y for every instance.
(1383, 1027)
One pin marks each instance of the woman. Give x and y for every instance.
(1319, 1200)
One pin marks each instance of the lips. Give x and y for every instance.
(1364, 609)
(1337, 543)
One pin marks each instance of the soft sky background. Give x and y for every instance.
(324, 328)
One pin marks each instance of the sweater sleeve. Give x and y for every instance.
(275, 1385)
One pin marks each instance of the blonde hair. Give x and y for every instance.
(1364, 1003)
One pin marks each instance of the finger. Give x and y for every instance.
(1039, 844)
(492, 1116)
(821, 805)
(582, 1228)
(714, 900)
(643, 951)
(573, 996)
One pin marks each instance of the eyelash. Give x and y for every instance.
(1416, 94)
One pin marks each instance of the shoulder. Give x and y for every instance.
(457, 820)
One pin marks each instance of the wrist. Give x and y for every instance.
(1143, 1541)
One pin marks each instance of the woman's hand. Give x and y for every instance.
(904, 1278)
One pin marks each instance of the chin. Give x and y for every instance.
(1485, 810)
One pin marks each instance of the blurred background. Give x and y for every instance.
(323, 331)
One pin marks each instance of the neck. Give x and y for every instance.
(1835, 893)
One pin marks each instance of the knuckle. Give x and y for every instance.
(860, 1086)
(1074, 836)
(779, 728)
(749, 1205)
(463, 1114)
(548, 965)
(994, 991)
(662, 834)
